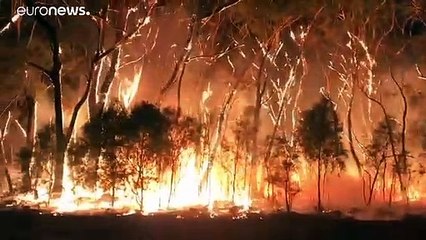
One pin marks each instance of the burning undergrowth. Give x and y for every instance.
(152, 160)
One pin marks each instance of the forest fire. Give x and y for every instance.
(229, 114)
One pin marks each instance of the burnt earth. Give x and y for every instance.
(30, 224)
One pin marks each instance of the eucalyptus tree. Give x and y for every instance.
(320, 136)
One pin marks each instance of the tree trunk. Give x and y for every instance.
(141, 179)
(4, 175)
(234, 174)
(55, 77)
(403, 184)
(114, 182)
(180, 65)
(218, 134)
(160, 179)
(384, 182)
(30, 129)
(172, 179)
(391, 142)
(319, 162)
(59, 130)
(350, 133)
(372, 185)
(287, 191)
(390, 200)
(260, 90)
(9, 180)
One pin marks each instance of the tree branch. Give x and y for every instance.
(404, 121)
(213, 57)
(128, 36)
(420, 73)
(79, 104)
(39, 67)
(220, 9)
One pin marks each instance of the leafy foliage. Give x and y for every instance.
(285, 162)
(319, 134)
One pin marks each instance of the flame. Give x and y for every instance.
(129, 88)
(188, 192)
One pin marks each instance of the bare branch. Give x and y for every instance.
(39, 67)
(404, 120)
(219, 10)
(137, 60)
(180, 64)
(143, 22)
(420, 73)
(214, 57)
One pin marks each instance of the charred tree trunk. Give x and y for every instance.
(287, 190)
(384, 182)
(60, 136)
(372, 185)
(3, 166)
(4, 172)
(8, 180)
(180, 66)
(54, 74)
(375, 178)
(260, 90)
(30, 129)
(234, 174)
(172, 179)
(141, 178)
(404, 166)
(391, 142)
(113, 178)
(391, 191)
(350, 133)
(319, 164)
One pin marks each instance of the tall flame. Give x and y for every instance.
(129, 88)
(188, 192)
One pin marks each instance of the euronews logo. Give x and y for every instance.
(52, 11)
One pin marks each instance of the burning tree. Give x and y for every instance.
(109, 135)
(378, 152)
(319, 133)
(43, 165)
(242, 134)
(284, 164)
(54, 74)
(149, 143)
(184, 132)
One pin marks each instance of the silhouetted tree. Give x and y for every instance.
(184, 132)
(149, 142)
(106, 134)
(378, 151)
(285, 158)
(319, 134)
